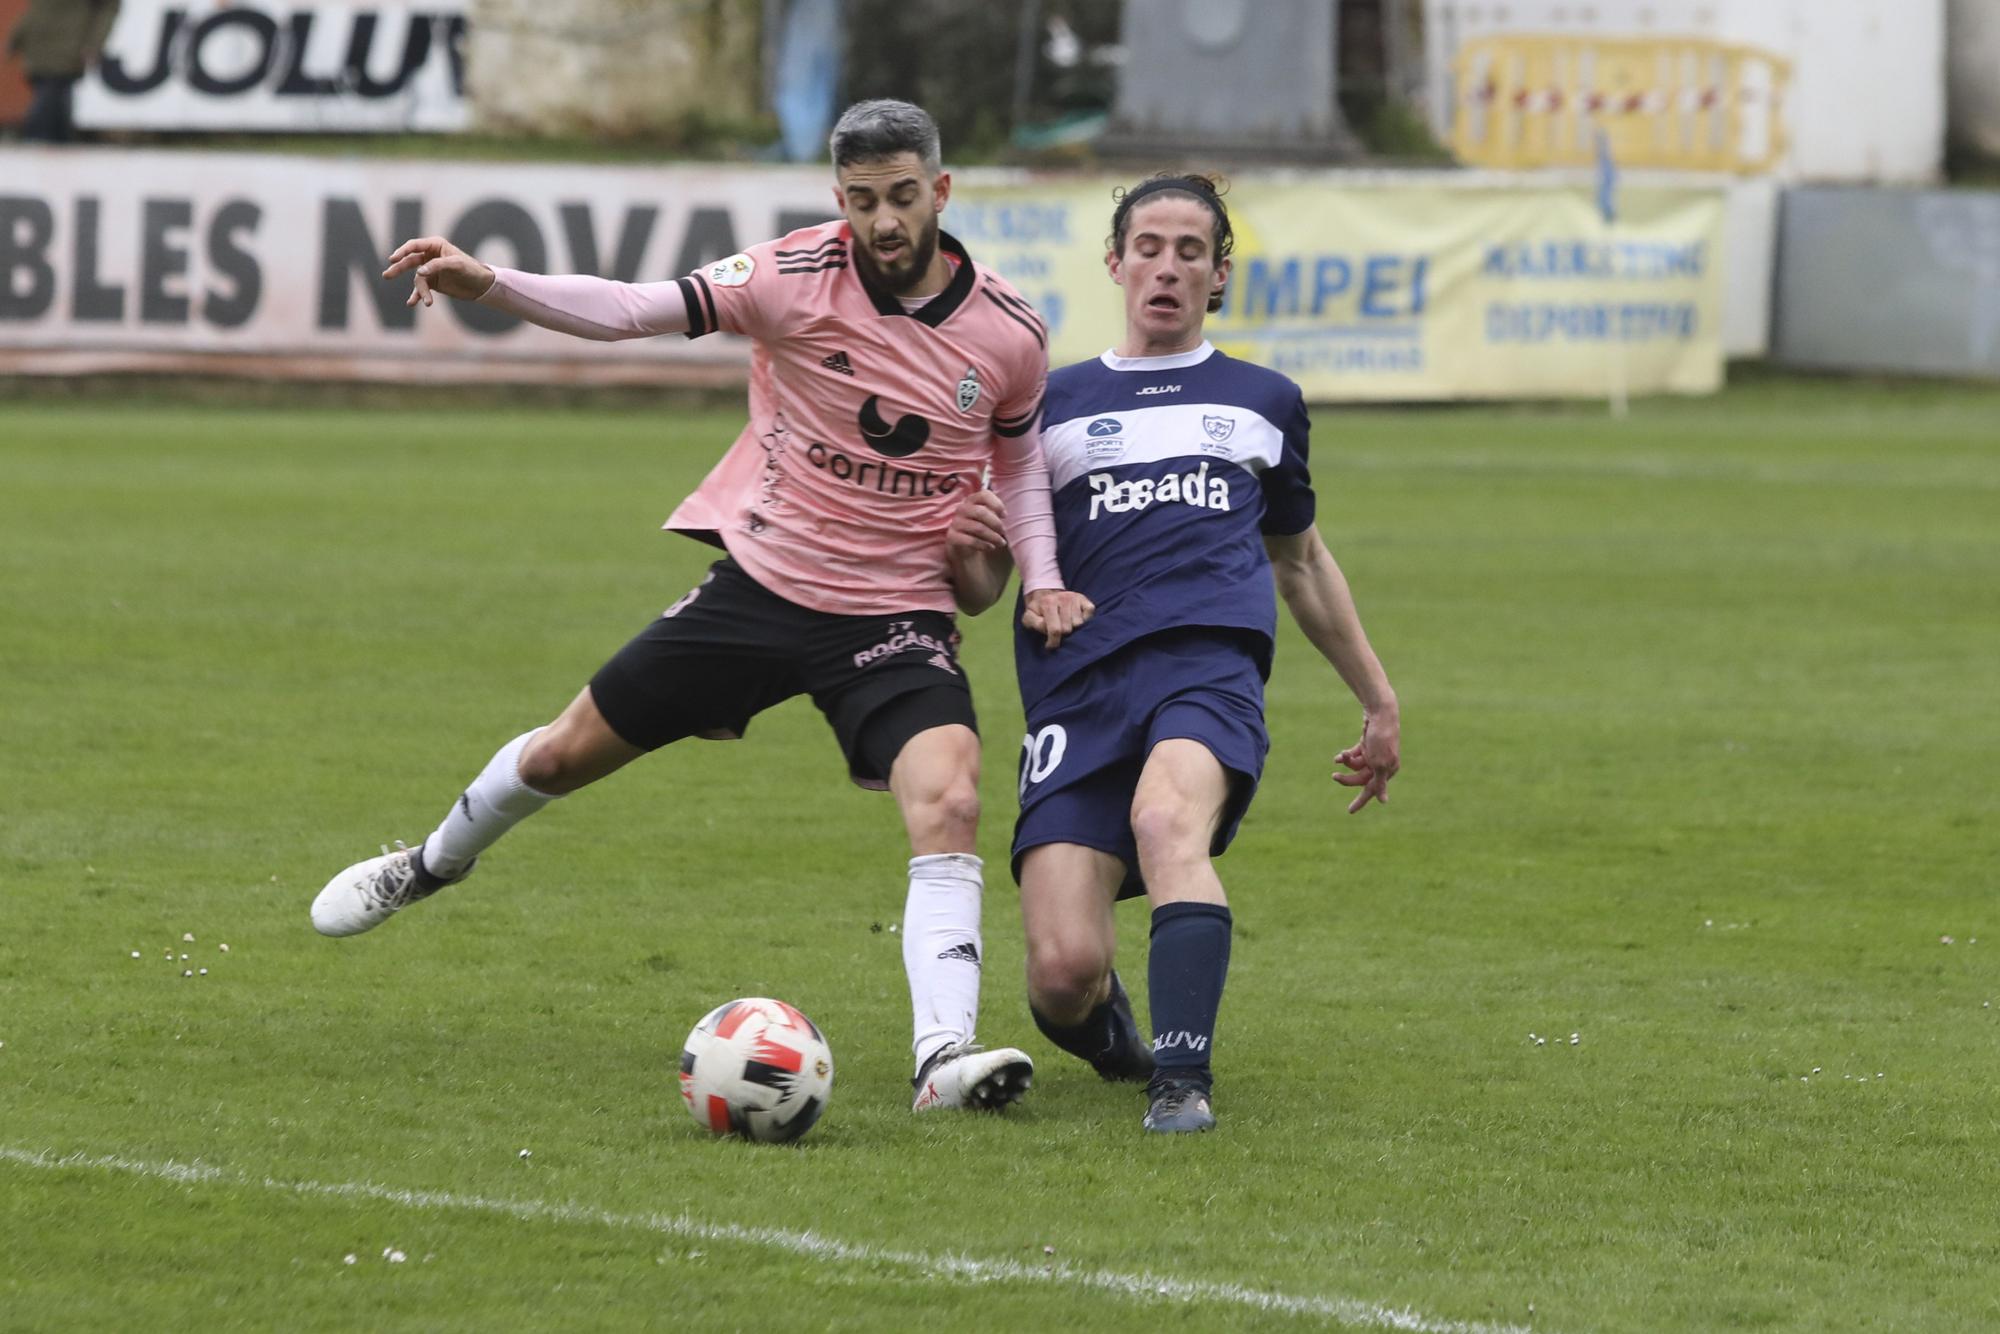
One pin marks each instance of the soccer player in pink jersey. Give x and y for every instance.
(888, 372)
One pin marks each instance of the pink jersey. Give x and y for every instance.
(869, 425)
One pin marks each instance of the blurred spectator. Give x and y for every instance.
(961, 61)
(805, 77)
(57, 40)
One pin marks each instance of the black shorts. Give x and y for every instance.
(732, 648)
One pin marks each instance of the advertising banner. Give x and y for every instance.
(1403, 289)
(346, 66)
(114, 259)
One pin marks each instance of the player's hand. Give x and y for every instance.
(1373, 760)
(440, 267)
(1055, 612)
(979, 528)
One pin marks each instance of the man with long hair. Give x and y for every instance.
(1181, 490)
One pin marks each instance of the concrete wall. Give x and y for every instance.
(1890, 280)
(1749, 257)
(611, 66)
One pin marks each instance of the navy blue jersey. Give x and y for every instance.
(1167, 474)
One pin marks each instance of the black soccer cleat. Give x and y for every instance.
(1128, 1059)
(1179, 1106)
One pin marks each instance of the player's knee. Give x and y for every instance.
(1065, 977)
(1167, 829)
(548, 765)
(955, 809)
(962, 806)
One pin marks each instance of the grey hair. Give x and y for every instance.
(878, 129)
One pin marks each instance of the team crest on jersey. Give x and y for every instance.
(968, 389)
(1219, 428)
(732, 272)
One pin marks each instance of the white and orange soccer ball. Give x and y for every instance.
(756, 1068)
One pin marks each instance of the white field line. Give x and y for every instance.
(809, 1245)
(1651, 467)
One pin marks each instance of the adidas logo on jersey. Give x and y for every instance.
(1195, 488)
(964, 952)
(838, 362)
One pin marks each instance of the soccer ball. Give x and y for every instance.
(756, 1068)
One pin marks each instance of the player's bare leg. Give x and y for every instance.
(1176, 811)
(528, 773)
(1067, 892)
(1066, 895)
(575, 750)
(936, 783)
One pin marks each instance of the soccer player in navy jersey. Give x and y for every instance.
(1181, 490)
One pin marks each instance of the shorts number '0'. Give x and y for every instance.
(1041, 752)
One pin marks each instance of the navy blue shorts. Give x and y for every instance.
(1089, 739)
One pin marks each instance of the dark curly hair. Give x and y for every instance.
(1204, 189)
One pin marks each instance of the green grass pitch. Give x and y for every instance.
(1700, 722)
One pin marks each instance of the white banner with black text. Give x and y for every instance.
(302, 66)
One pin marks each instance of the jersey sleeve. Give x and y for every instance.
(1289, 504)
(588, 307)
(1020, 409)
(743, 294)
(1021, 479)
(1024, 413)
(1020, 470)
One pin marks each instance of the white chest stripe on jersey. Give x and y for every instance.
(1087, 444)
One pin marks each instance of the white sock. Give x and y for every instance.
(496, 802)
(941, 949)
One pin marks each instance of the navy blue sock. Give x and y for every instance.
(1190, 959)
(1091, 1039)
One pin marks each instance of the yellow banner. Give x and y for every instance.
(1402, 292)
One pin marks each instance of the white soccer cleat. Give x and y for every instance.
(369, 893)
(964, 1075)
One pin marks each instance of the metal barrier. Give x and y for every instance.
(1684, 103)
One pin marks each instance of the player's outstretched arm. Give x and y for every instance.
(976, 546)
(439, 267)
(1316, 592)
(1021, 477)
(594, 308)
